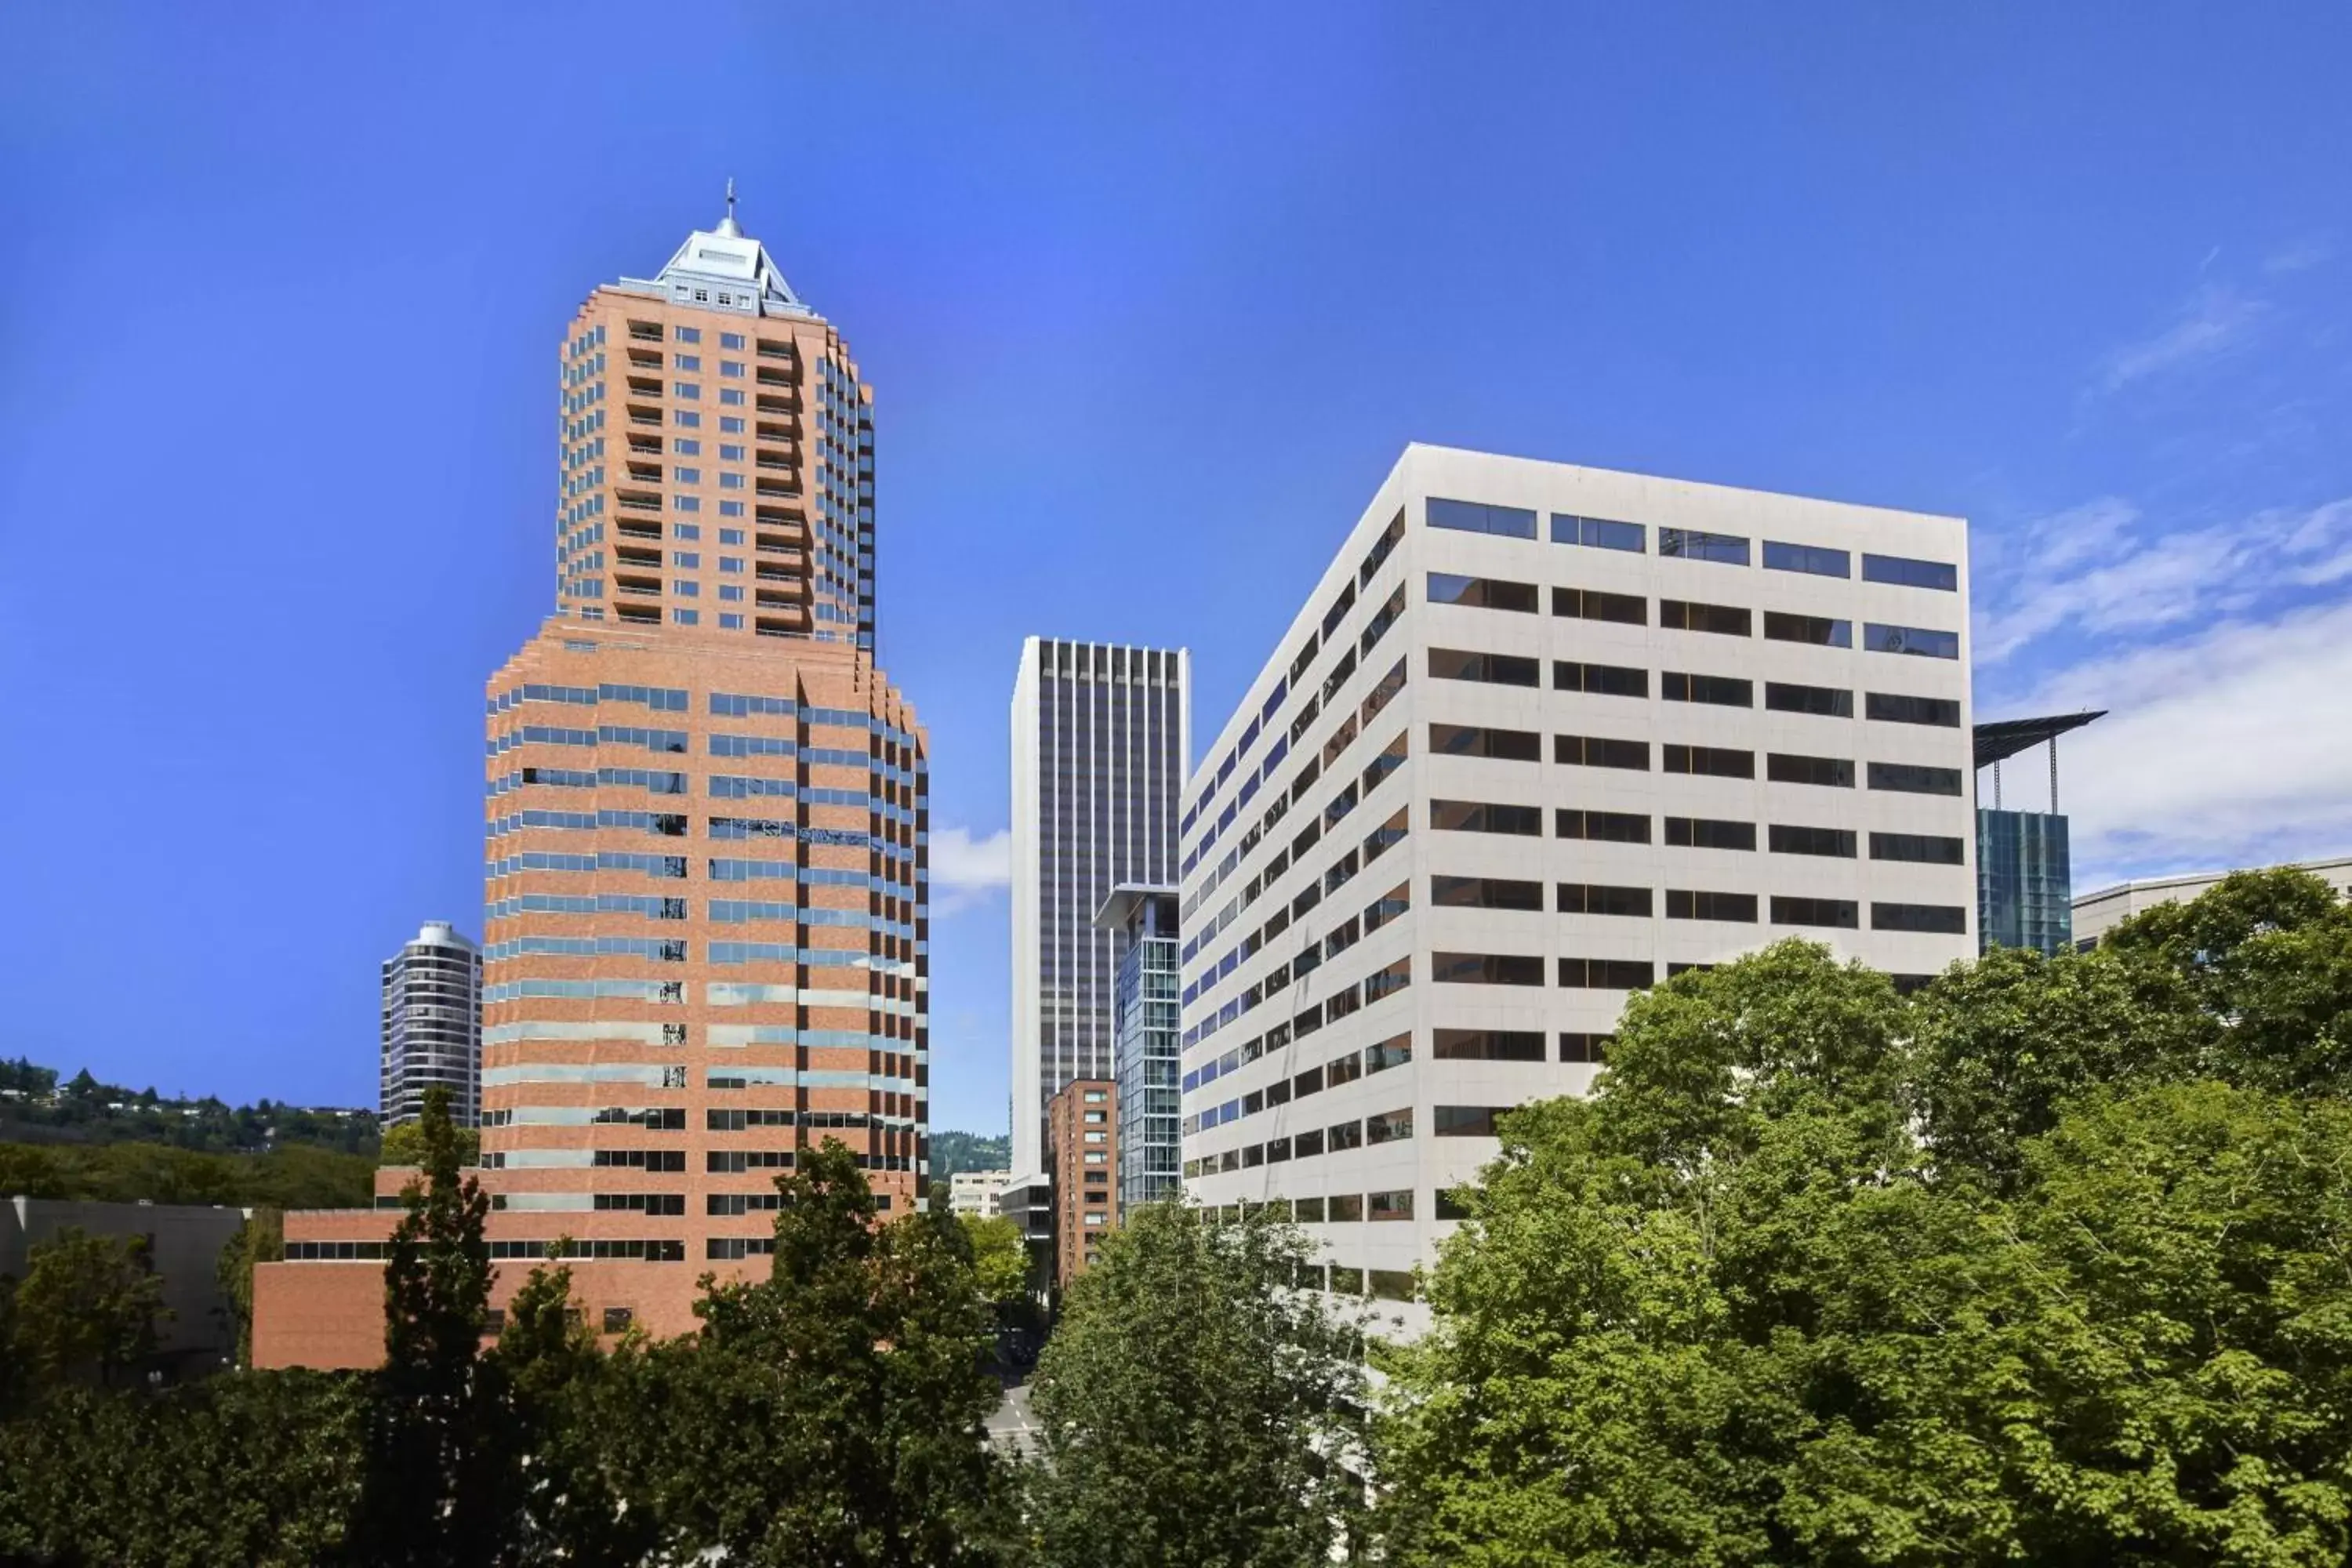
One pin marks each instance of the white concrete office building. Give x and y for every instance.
(1101, 738)
(1542, 735)
(2097, 913)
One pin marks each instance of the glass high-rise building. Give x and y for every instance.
(433, 1024)
(2025, 887)
(2026, 882)
(1148, 1059)
(1100, 739)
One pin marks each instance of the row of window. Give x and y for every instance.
(1716, 762)
(1692, 832)
(500, 1251)
(1678, 685)
(1689, 544)
(1688, 615)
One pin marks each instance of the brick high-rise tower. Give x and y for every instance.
(707, 901)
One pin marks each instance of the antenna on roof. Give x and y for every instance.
(726, 226)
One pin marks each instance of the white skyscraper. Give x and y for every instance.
(1101, 737)
(1543, 735)
(433, 1026)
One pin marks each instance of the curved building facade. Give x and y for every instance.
(433, 1024)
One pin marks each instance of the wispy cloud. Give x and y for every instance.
(2100, 568)
(2216, 319)
(966, 870)
(2301, 257)
(2230, 747)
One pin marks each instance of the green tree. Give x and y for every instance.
(246, 1468)
(999, 1258)
(832, 1413)
(1814, 1277)
(572, 1507)
(405, 1145)
(260, 1239)
(438, 1484)
(1192, 1403)
(88, 1305)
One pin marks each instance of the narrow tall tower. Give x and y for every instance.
(433, 1024)
(1101, 736)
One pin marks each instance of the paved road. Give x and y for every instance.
(1012, 1427)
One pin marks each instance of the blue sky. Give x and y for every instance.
(1151, 299)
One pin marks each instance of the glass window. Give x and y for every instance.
(1781, 626)
(1683, 904)
(1944, 712)
(1914, 778)
(1942, 919)
(1837, 914)
(1828, 701)
(1691, 544)
(1471, 593)
(1811, 558)
(1474, 517)
(1599, 533)
(1917, 640)
(1793, 840)
(1924, 848)
(1909, 574)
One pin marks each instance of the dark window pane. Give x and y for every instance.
(1940, 711)
(1609, 826)
(1599, 751)
(1716, 762)
(1781, 626)
(1607, 973)
(1481, 593)
(1927, 848)
(1914, 778)
(1493, 668)
(1709, 833)
(1692, 905)
(1943, 919)
(1592, 605)
(1840, 914)
(1487, 1044)
(1725, 620)
(1789, 840)
(1826, 700)
(1723, 690)
(1835, 772)
(1597, 899)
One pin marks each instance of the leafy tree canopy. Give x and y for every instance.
(2045, 1265)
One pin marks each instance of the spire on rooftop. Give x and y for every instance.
(723, 267)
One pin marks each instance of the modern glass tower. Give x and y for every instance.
(433, 1024)
(1148, 1059)
(1100, 739)
(2025, 883)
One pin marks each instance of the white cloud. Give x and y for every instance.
(965, 870)
(2298, 258)
(2232, 747)
(2214, 320)
(2097, 569)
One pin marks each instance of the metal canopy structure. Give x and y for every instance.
(2006, 738)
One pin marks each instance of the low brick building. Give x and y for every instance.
(1082, 1137)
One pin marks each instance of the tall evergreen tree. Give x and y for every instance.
(439, 1482)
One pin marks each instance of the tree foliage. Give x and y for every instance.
(89, 1306)
(1191, 1403)
(296, 1176)
(2045, 1266)
(405, 1145)
(438, 1486)
(999, 1258)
